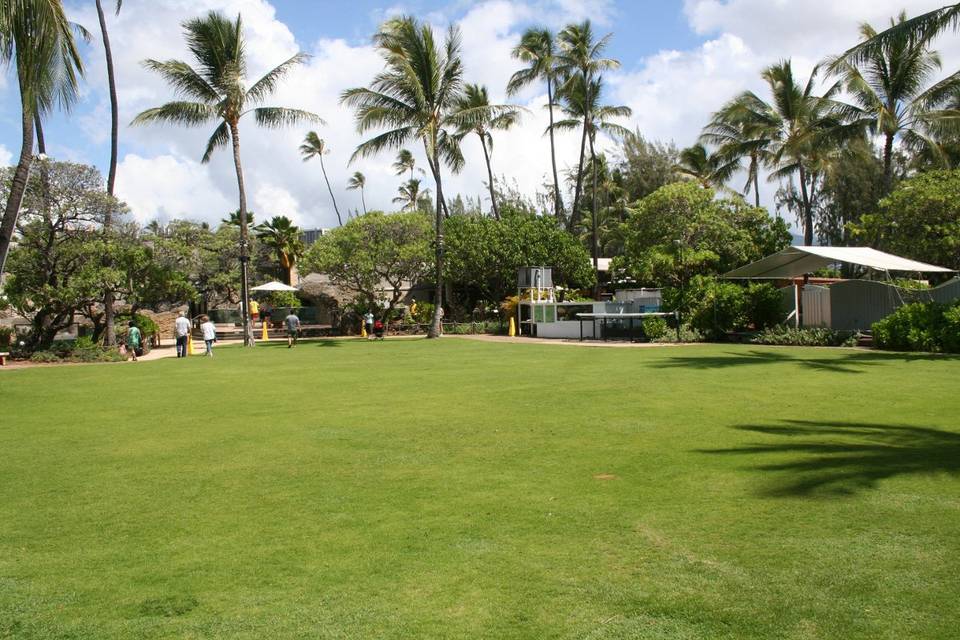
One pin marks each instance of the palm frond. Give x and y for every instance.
(277, 117)
(184, 79)
(220, 137)
(186, 113)
(266, 85)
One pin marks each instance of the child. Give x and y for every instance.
(209, 334)
(134, 340)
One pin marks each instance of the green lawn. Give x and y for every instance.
(459, 489)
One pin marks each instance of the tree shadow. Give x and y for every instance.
(842, 458)
(847, 361)
(302, 343)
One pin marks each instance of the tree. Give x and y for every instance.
(55, 269)
(405, 162)
(410, 195)
(537, 49)
(358, 181)
(37, 38)
(891, 85)
(580, 63)
(920, 219)
(283, 237)
(114, 142)
(682, 230)
(709, 170)
(919, 29)
(375, 256)
(314, 147)
(484, 254)
(741, 133)
(482, 118)
(645, 166)
(415, 97)
(218, 93)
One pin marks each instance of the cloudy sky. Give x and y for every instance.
(680, 62)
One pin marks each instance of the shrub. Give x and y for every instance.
(950, 340)
(423, 313)
(45, 357)
(722, 308)
(283, 299)
(654, 328)
(764, 306)
(920, 326)
(6, 337)
(806, 337)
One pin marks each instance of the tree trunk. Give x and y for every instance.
(807, 211)
(887, 163)
(17, 187)
(435, 322)
(594, 244)
(575, 212)
(363, 201)
(756, 180)
(325, 179)
(248, 340)
(108, 311)
(557, 200)
(493, 193)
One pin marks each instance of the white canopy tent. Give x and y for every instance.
(274, 286)
(794, 262)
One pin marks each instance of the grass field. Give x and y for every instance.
(460, 489)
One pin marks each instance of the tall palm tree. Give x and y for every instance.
(108, 312)
(410, 195)
(405, 162)
(891, 86)
(37, 38)
(711, 170)
(415, 98)
(582, 105)
(281, 235)
(740, 133)
(580, 63)
(482, 118)
(233, 219)
(216, 93)
(537, 49)
(358, 181)
(803, 129)
(314, 147)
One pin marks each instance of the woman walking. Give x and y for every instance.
(209, 331)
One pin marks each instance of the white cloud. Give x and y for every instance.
(6, 158)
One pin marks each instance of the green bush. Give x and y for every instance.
(148, 328)
(283, 299)
(654, 328)
(722, 307)
(6, 337)
(920, 326)
(806, 337)
(764, 305)
(45, 357)
(424, 313)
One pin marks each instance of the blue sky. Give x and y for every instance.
(680, 62)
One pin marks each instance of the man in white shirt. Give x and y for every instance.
(181, 329)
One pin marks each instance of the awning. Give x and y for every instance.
(793, 262)
(274, 286)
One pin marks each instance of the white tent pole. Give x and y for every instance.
(796, 304)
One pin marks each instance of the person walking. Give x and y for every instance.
(368, 321)
(134, 340)
(181, 329)
(293, 328)
(209, 334)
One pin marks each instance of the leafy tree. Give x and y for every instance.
(645, 166)
(405, 162)
(37, 39)
(484, 254)
(891, 86)
(217, 94)
(709, 170)
(537, 49)
(920, 219)
(375, 256)
(415, 98)
(410, 195)
(682, 230)
(741, 134)
(358, 181)
(482, 118)
(314, 147)
(283, 237)
(852, 186)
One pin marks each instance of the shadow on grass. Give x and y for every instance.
(842, 458)
(303, 343)
(846, 361)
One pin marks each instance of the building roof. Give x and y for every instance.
(797, 261)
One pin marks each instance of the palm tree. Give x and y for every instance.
(890, 86)
(410, 194)
(415, 97)
(109, 334)
(281, 235)
(358, 181)
(233, 219)
(581, 104)
(37, 38)
(740, 133)
(711, 170)
(314, 147)
(802, 129)
(580, 64)
(481, 118)
(536, 48)
(218, 94)
(918, 30)
(405, 162)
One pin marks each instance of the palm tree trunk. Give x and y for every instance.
(108, 311)
(754, 167)
(17, 186)
(887, 163)
(248, 340)
(435, 322)
(807, 211)
(493, 193)
(557, 200)
(575, 212)
(363, 201)
(594, 245)
(325, 179)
